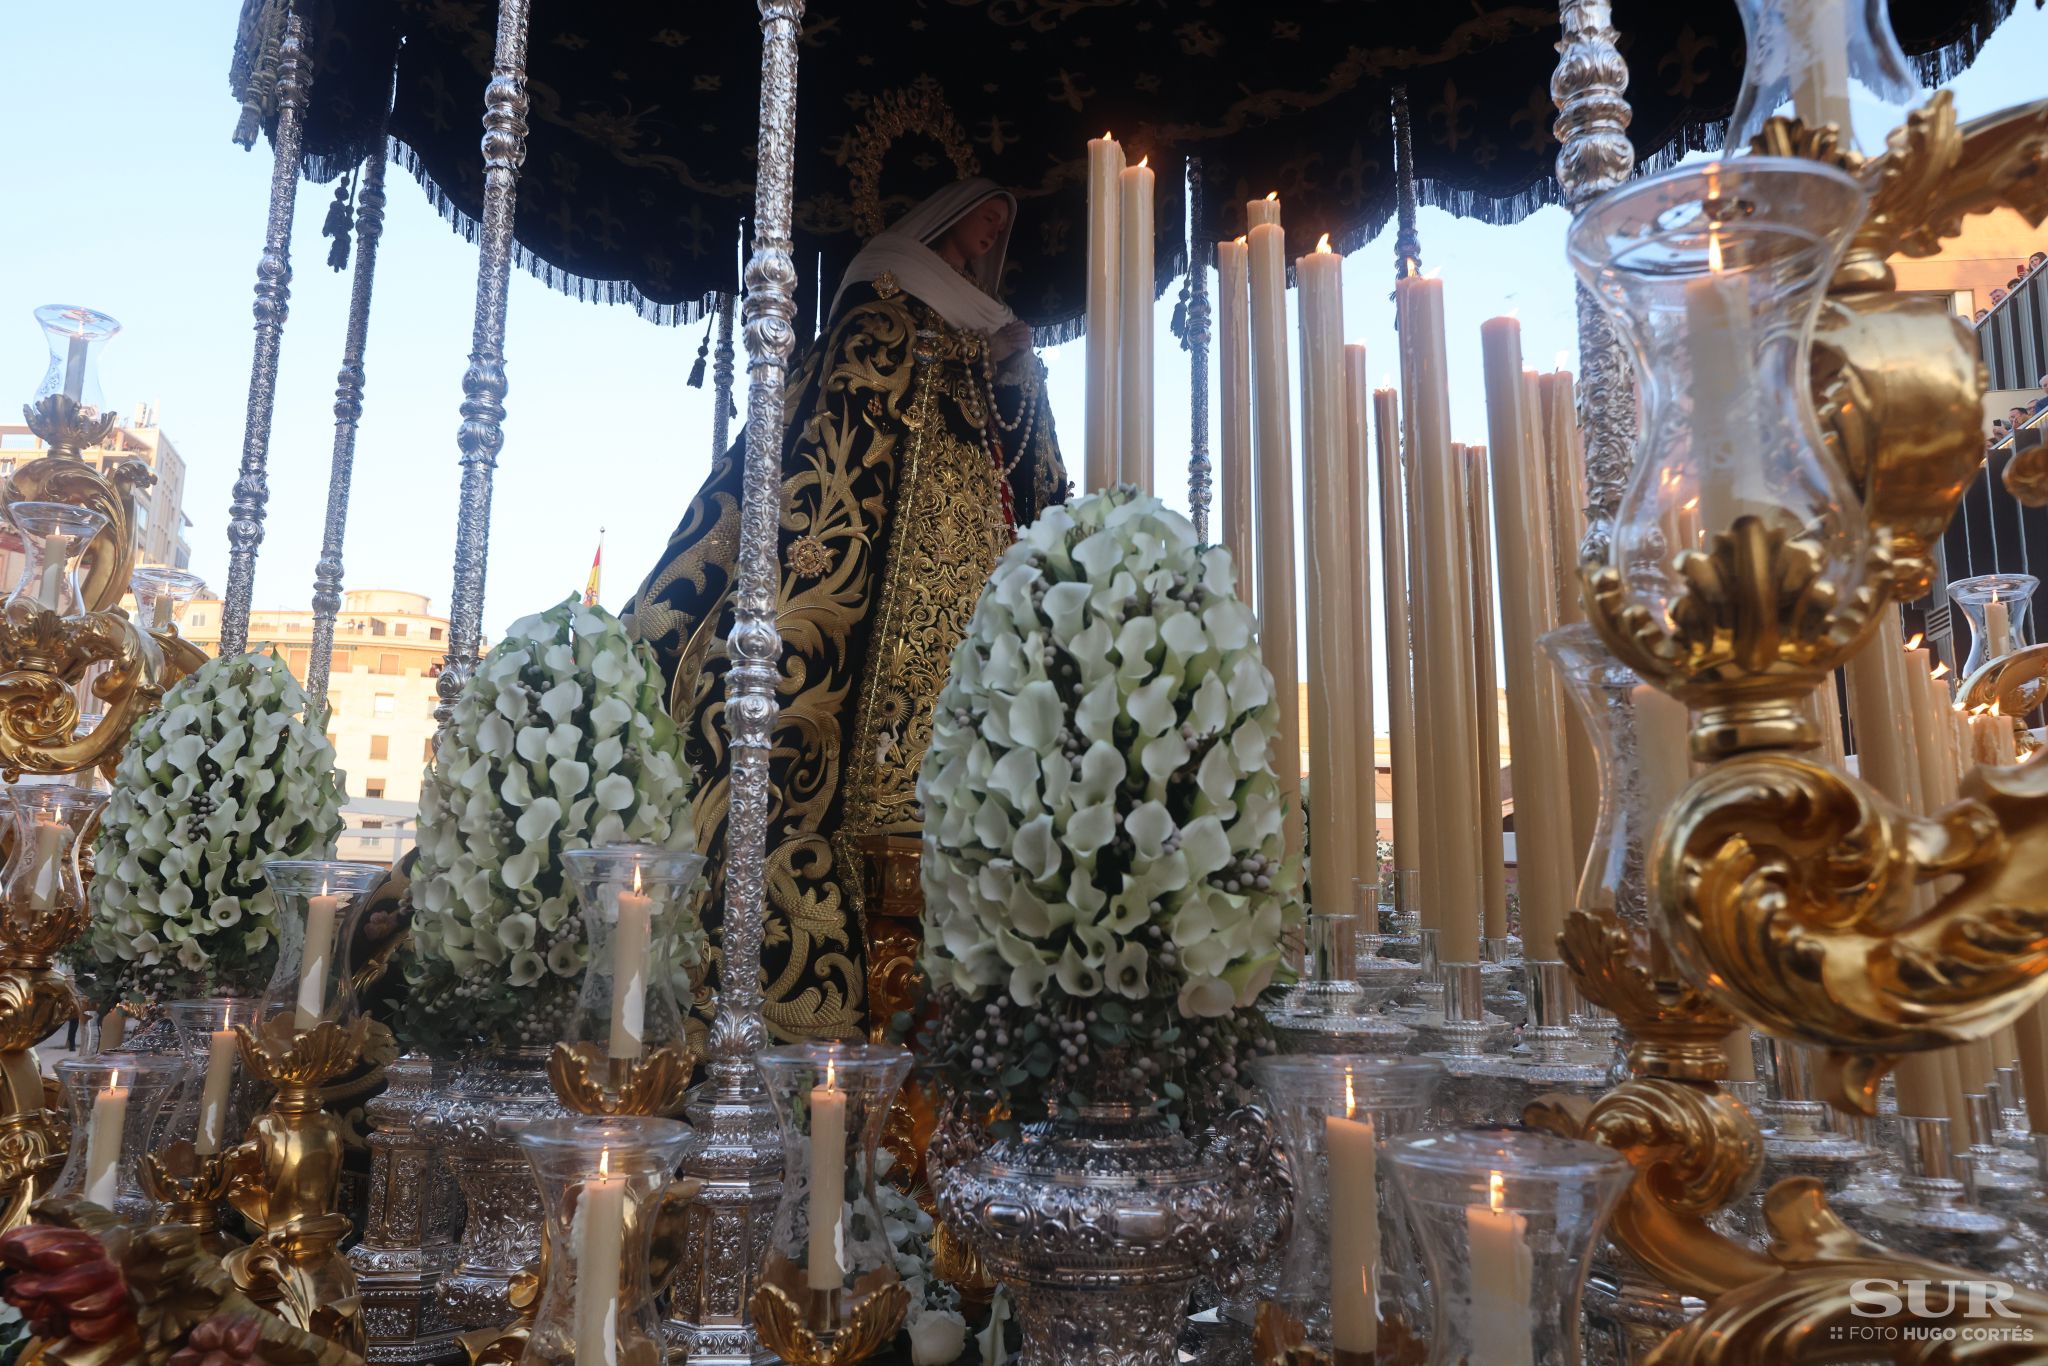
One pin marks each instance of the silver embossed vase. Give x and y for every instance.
(1098, 1221)
(475, 1124)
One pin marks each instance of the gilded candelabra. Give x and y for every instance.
(1783, 892)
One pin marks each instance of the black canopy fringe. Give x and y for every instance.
(580, 287)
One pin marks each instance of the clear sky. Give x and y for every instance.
(126, 194)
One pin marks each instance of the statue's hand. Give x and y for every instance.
(1009, 340)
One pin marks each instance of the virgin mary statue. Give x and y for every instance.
(916, 439)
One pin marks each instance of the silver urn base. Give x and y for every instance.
(474, 1124)
(1099, 1224)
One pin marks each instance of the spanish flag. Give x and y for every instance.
(596, 571)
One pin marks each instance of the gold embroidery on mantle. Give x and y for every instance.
(946, 532)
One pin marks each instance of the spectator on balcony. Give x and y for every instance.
(1996, 295)
(2041, 404)
(2036, 261)
(1998, 433)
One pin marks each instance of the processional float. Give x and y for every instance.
(1813, 428)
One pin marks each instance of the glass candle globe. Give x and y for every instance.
(158, 591)
(602, 1182)
(1713, 274)
(55, 535)
(1812, 57)
(1996, 606)
(1508, 1220)
(45, 897)
(1350, 1261)
(216, 1100)
(76, 337)
(116, 1100)
(633, 897)
(319, 902)
(830, 1246)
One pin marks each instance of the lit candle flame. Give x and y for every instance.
(1914, 642)
(604, 1163)
(1434, 272)
(1272, 195)
(1106, 137)
(1692, 504)
(1939, 670)
(1995, 708)
(636, 879)
(1240, 239)
(1497, 1192)
(1350, 1096)
(1323, 245)
(1144, 160)
(831, 1073)
(1714, 251)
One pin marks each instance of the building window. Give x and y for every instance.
(376, 627)
(373, 787)
(427, 750)
(341, 661)
(298, 661)
(433, 633)
(398, 628)
(373, 825)
(384, 704)
(389, 665)
(196, 619)
(380, 747)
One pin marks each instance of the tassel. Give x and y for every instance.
(696, 380)
(340, 219)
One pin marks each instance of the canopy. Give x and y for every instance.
(640, 162)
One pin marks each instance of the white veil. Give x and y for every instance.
(903, 250)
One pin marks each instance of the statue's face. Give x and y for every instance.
(977, 233)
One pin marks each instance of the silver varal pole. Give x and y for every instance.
(482, 433)
(721, 380)
(1199, 247)
(1594, 155)
(348, 411)
(736, 1150)
(273, 302)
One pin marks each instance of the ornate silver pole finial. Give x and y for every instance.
(1199, 248)
(482, 433)
(1407, 239)
(273, 302)
(348, 411)
(736, 1149)
(1594, 155)
(721, 380)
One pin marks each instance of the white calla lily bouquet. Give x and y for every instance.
(229, 771)
(558, 742)
(1103, 864)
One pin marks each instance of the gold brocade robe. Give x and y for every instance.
(891, 520)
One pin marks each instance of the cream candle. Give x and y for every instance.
(1265, 210)
(1565, 462)
(1445, 661)
(599, 1228)
(1358, 464)
(2030, 1036)
(1820, 85)
(1527, 568)
(632, 936)
(1881, 713)
(1399, 647)
(50, 585)
(828, 1181)
(1997, 629)
(1348, 1140)
(46, 872)
(1273, 452)
(1105, 284)
(1493, 874)
(1234, 412)
(1333, 615)
(1503, 1333)
(1663, 750)
(1135, 320)
(221, 1055)
(316, 957)
(105, 1129)
(1717, 316)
